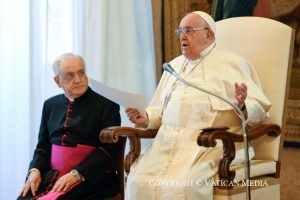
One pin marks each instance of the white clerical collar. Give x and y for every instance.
(204, 53)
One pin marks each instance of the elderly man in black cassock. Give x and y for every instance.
(69, 161)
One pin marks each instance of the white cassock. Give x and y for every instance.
(174, 166)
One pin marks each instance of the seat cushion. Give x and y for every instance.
(257, 168)
(270, 189)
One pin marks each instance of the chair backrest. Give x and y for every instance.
(268, 45)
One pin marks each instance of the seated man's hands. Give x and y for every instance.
(32, 183)
(240, 94)
(64, 183)
(135, 117)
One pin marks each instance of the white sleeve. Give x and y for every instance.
(255, 112)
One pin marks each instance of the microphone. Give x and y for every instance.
(167, 67)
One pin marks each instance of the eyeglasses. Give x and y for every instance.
(71, 75)
(187, 31)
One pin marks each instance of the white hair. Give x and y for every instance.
(63, 56)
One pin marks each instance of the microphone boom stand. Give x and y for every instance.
(241, 115)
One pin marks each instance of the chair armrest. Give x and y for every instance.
(257, 131)
(208, 139)
(112, 134)
(209, 136)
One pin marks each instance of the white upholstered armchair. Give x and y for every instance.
(268, 44)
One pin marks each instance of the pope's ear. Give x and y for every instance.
(57, 81)
(210, 33)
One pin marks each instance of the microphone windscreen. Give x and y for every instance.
(167, 67)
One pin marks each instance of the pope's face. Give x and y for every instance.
(194, 42)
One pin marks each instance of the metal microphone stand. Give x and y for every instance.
(241, 115)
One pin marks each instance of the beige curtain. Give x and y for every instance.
(157, 27)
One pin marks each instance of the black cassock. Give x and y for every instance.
(80, 122)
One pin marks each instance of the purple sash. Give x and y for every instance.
(64, 159)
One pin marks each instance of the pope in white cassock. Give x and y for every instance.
(174, 166)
